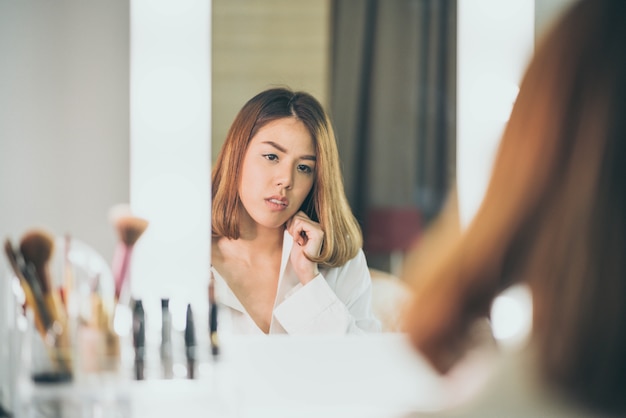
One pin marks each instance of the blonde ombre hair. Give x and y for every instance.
(553, 216)
(326, 202)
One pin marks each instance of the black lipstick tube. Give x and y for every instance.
(139, 339)
(190, 344)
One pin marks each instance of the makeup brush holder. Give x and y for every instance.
(51, 355)
(75, 369)
(87, 286)
(81, 342)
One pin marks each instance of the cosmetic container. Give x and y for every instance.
(139, 339)
(167, 361)
(75, 368)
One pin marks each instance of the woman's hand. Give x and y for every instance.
(308, 238)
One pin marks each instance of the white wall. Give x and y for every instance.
(64, 117)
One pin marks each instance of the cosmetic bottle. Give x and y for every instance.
(167, 362)
(190, 343)
(213, 321)
(139, 339)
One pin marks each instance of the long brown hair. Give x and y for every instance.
(575, 235)
(554, 214)
(326, 203)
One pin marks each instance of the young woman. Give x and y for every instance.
(286, 250)
(554, 216)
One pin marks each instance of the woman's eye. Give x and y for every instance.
(305, 169)
(271, 157)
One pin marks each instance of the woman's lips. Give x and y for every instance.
(277, 203)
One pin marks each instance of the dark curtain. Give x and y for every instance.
(393, 106)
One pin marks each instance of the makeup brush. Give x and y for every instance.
(107, 353)
(42, 318)
(213, 337)
(190, 343)
(37, 247)
(33, 302)
(129, 229)
(68, 274)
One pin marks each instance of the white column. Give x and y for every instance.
(495, 40)
(170, 153)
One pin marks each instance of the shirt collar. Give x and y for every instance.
(225, 295)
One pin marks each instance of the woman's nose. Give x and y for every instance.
(284, 178)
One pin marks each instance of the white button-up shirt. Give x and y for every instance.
(337, 301)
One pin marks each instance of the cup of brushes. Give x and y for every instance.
(52, 353)
(70, 295)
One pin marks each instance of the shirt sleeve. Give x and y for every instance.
(339, 302)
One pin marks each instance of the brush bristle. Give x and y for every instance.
(37, 246)
(130, 228)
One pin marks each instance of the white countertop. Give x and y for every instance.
(261, 376)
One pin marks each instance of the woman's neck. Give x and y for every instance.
(261, 240)
(252, 244)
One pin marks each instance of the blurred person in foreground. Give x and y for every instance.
(553, 217)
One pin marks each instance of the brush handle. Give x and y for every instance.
(121, 263)
(62, 343)
(68, 274)
(55, 307)
(48, 301)
(45, 309)
(32, 304)
(28, 292)
(42, 309)
(213, 337)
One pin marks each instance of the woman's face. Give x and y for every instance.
(278, 172)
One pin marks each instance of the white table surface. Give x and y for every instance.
(261, 376)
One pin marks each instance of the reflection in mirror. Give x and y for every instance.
(393, 99)
(385, 71)
(286, 248)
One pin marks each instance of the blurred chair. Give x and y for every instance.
(391, 232)
(390, 296)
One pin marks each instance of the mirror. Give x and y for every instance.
(387, 74)
(384, 71)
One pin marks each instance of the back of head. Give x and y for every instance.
(564, 153)
(553, 215)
